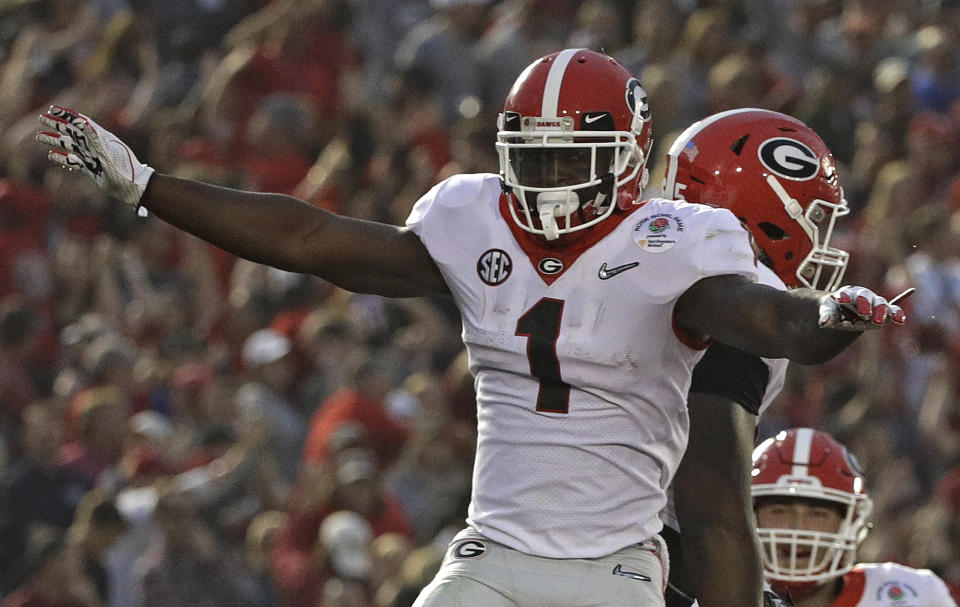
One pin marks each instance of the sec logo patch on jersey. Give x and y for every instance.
(658, 233)
(494, 267)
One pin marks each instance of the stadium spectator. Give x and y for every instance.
(34, 490)
(362, 401)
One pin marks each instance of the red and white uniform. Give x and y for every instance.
(892, 585)
(581, 380)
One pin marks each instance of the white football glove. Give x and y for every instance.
(78, 142)
(853, 308)
(772, 599)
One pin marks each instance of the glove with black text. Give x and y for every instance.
(77, 142)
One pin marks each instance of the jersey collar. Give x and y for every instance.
(566, 250)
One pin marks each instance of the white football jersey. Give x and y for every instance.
(892, 585)
(580, 377)
(777, 368)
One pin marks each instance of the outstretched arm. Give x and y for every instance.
(290, 234)
(772, 323)
(272, 229)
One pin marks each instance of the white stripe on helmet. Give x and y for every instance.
(801, 452)
(551, 89)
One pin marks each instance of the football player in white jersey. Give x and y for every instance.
(584, 310)
(812, 511)
(779, 179)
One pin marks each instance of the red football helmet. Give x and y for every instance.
(573, 141)
(806, 463)
(778, 177)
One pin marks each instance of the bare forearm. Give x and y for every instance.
(289, 234)
(271, 229)
(761, 320)
(729, 577)
(800, 338)
(265, 228)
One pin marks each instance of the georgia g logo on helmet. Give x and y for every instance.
(788, 158)
(637, 99)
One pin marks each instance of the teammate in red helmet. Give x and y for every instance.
(812, 509)
(778, 177)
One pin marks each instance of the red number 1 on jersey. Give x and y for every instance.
(541, 326)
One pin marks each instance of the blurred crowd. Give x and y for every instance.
(181, 427)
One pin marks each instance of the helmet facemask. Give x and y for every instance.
(564, 180)
(823, 262)
(796, 557)
(802, 466)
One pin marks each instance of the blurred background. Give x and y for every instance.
(181, 427)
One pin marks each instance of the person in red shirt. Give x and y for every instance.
(347, 480)
(361, 402)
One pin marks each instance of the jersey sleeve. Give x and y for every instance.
(726, 248)
(683, 243)
(424, 216)
(450, 210)
(734, 374)
(941, 591)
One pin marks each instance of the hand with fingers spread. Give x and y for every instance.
(772, 599)
(77, 142)
(853, 308)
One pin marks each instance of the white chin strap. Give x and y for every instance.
(551, 205)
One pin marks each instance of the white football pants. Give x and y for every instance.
(478, 572)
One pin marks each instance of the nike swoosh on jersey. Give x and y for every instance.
(605, 273)
(630, 574)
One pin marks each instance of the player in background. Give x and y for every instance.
(778, 177)
(584, 311)
(812, 510)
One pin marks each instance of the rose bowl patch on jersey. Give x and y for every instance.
(658, 233)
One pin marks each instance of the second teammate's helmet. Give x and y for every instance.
(778, 177)
(573, 141)
(807, 463)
